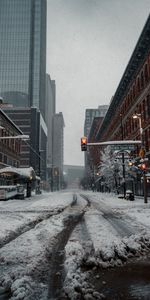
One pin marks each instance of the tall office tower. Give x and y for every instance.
(58, 147)
(23, 52)
(50, 111)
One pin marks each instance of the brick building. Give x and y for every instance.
(9, 147)
(93, 157)
(131, 97)
(33, 151)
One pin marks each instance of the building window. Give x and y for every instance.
(138, 85)
(5, 159)
(142, 80)
(144, 110)
(133, 91)
(146, 141)
(146, 73)
(132, 124)
(139, 109)
(148, 105)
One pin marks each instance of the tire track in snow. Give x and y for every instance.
(122, 227)
(57, 271)
(29, 225)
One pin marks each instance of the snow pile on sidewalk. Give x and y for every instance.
(105, 247)
(80, 261)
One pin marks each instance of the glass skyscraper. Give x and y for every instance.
(23, 52)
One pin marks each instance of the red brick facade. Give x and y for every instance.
(136, 100)
(132, 97)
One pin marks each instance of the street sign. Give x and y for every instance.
(124, 147)
(144, 159)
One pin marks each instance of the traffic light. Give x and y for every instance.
(84, 144)
(130, 163)
(143, 167)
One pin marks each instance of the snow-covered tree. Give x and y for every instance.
(110, 168)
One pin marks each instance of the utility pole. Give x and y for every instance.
(145, 186)
(39, 163)
(123, 162)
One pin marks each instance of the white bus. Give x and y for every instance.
(8, 192)
(11, 191)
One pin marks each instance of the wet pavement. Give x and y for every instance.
(131, 281)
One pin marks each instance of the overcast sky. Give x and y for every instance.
(89, 43)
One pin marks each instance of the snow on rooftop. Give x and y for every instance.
(26, 172)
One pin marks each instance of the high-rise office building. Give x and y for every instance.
(58, 147)
(90, 114)
(50, 112)
(23, 52)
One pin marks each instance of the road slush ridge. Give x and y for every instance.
(122, 227)
(57, 272)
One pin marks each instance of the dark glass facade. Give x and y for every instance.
(23, 52)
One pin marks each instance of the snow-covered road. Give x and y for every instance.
(98, 230)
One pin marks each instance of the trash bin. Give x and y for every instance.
(129, 195)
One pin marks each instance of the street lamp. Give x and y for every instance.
(142, 154)
(138, 116)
